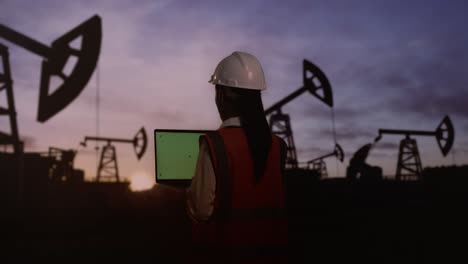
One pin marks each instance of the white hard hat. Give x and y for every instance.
(239, 70)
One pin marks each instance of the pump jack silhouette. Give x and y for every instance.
(316, 82)
(409, 166)
(319, 165)
(51, 101)
(55, 59)
(108, 169)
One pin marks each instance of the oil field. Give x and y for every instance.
(55, 211)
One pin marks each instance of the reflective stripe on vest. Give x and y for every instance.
(244, 213)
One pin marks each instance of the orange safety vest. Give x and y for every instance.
(246, 214)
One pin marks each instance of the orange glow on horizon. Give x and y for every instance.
(141, 181)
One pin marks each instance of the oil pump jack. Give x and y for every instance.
(52, 100)
(409, 165)
(108, 169)
(55, 60)
(318, 164)
(317, 84)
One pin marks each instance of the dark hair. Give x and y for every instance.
(248, 105)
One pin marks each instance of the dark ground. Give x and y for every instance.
(382, 221)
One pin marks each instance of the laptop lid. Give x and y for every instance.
(176, 155)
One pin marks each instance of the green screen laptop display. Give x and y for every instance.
(176, 154)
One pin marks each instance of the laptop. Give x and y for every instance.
(176, 155)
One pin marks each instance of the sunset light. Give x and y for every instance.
(141, 181)
(269, 131)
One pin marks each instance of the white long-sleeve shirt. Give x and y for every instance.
(201, 193)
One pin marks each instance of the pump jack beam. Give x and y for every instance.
(139, 142)
(445, 134)
(338, 153)
(55, 59)
(314, 81)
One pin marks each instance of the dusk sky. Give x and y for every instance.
(391, 64)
